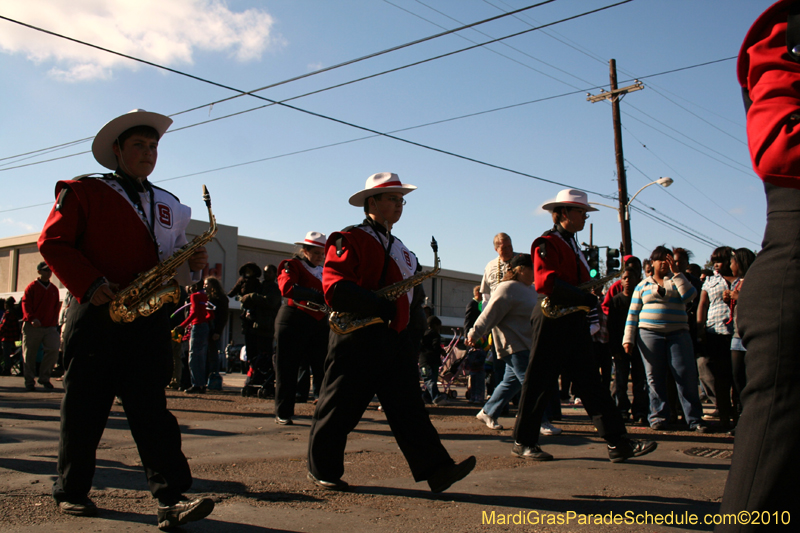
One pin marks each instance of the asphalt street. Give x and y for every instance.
(255, 470)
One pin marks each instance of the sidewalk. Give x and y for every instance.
(256, 471)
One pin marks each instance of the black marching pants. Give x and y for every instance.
(556, 343)
(133, 361)
(369, 361)
(301, 341)
(765, 466)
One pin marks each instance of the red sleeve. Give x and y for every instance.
(28, 299)
(546, 262)
(58, 242)
(615, 288)
(341, 266)
(773, 82)
(288, 277)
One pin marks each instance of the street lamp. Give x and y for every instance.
(626, 208)
(664, 182)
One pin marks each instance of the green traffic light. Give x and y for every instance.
(593, 273)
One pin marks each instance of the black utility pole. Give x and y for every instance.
(615, 95)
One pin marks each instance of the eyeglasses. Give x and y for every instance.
(398, 200)
(581, 211)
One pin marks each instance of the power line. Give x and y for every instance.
(326, 117)
(690, 207)
(61, 146)
(319, 115)
(690, 183)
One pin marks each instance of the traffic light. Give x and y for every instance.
(593, 258)
(612, 263)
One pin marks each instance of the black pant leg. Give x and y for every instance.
(88, 396)
(764, 470)
(405, 411)
(289, 348)
(347, 389)
(543, 367)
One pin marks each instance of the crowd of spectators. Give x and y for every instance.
(665, 338)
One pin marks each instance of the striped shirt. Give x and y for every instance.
(719, 313)
(663, 314)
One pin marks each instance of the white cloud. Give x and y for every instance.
(17, 224)
(166, 32)
(314, 66)
(737, 210)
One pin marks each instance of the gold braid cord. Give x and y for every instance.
(344, 323)
(152, 289)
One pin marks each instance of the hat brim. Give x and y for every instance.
(306, 243)
(104, 140)
(549, 206)
(357, 200)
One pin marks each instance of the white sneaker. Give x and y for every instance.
(440, 400)
(548, 429)
(490, 422)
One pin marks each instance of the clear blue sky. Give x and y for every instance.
(688, 125)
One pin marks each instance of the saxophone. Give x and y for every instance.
(152, 289)
(554, 311)
(343, 323)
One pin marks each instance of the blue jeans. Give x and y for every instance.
(516, 365)
(198, 348)
(662, 353)
(430, 377)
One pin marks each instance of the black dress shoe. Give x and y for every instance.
(337, 484)
(446, 476)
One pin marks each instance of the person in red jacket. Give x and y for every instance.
(379, 358)
(301, 329)
(765, 469)
(101, 233)
(560, 268)
(40, 306)
(200, 318)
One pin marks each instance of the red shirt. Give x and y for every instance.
(556, 260)
(294, 272)
(198, 312)
(41, 302)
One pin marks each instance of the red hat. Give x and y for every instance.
(380, 183)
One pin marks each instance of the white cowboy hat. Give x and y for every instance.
(569, 198)
(104, 140)
(380, 183)
(314, 238)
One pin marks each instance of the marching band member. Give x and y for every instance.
(301, 332)
(99, 236)
(560, 267)
(764, 470)
(376, 359)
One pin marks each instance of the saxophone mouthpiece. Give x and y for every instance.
(434, 244)
(206, 196)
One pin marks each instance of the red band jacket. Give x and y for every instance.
(94, 231)
(293, 272)
(554, 259)
(360, 259)
(772, 79)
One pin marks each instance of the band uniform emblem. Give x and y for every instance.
(164, 215)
